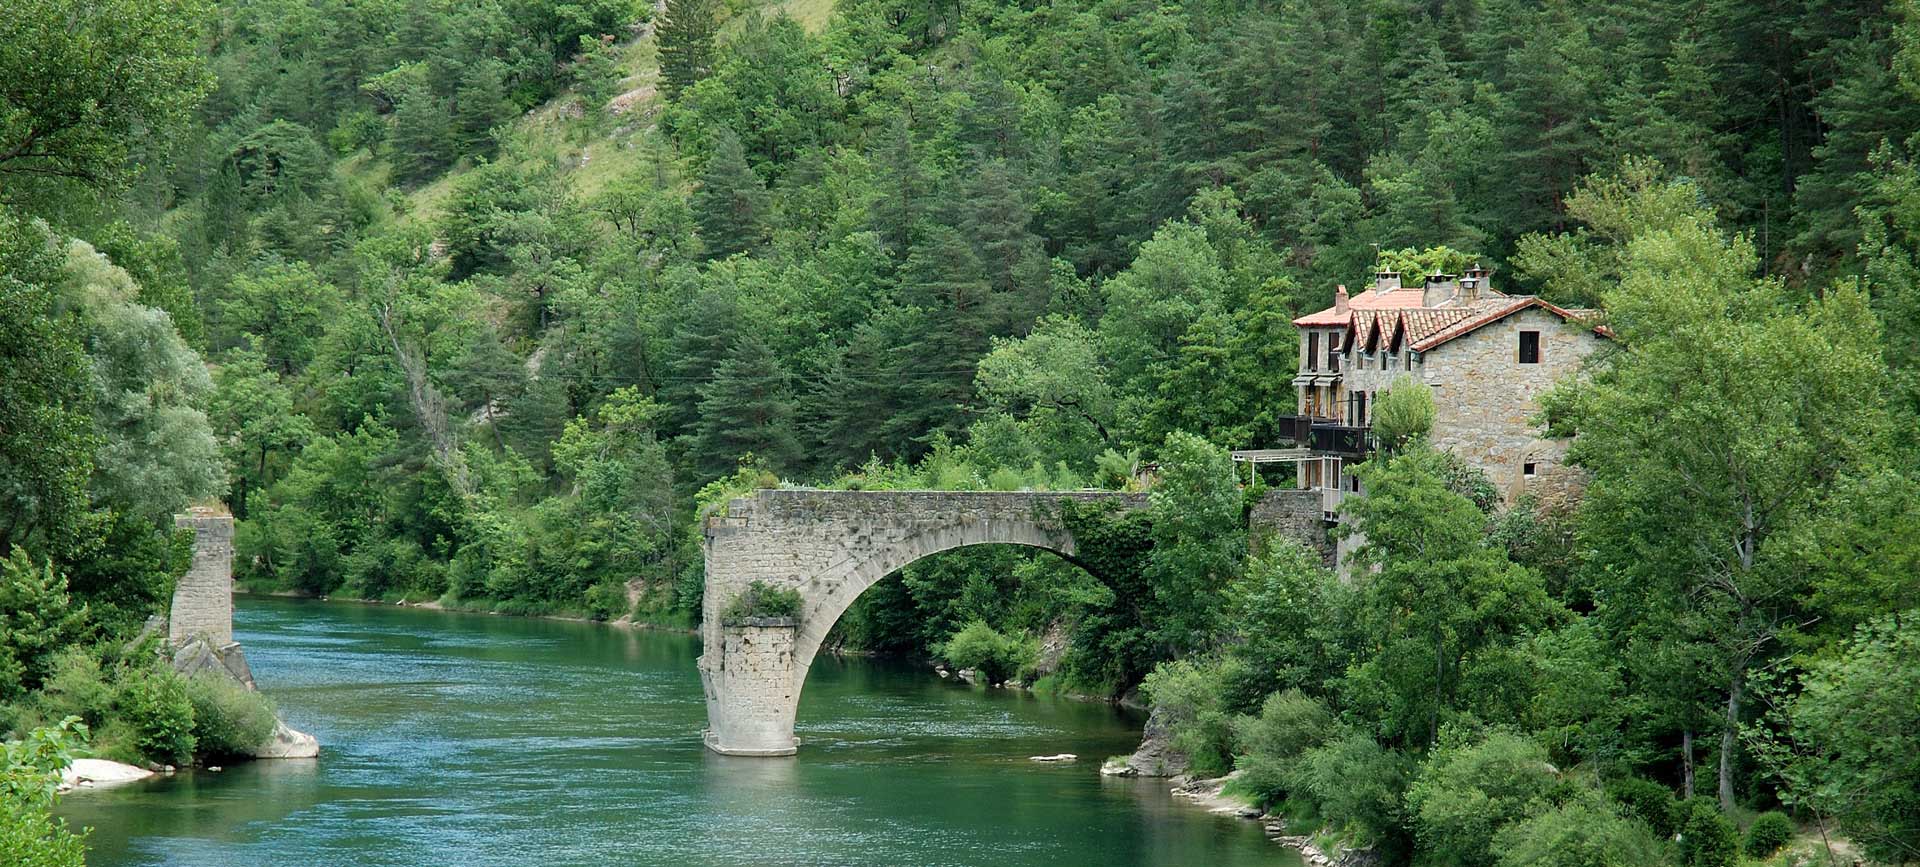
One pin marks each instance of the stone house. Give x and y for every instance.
(1487, 356)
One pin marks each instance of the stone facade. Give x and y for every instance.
(203, 599)
(832, 546)
(1485, 400)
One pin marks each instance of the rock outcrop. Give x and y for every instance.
(1156, 756)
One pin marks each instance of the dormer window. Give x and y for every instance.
(1529, 347)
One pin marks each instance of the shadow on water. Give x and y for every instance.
(462, 739)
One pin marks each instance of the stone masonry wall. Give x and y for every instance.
(1293, 514)
(203, 599)
(756, 675)
(1485, 400)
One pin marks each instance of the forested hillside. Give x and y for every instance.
(485, 303)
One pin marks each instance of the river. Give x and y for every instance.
(462, 739)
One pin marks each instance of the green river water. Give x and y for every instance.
(461, 739)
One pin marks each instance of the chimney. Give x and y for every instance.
(1440, 289)
(1340, 299)
(1386, 280)
(1471, 284)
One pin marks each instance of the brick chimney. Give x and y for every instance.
(1340, 299)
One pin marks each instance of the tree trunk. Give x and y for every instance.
(1735, 691)
(1686, 763)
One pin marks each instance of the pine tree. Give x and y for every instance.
(421, 135)
(479, 105)
(747, 408)
(686, 42)
(731, 204)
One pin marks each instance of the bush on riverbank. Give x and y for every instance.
(156, 705)
(228, 718)
(996, 656)
(139, 710)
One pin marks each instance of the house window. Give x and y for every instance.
(1529, 347)
(1360, 408)
(1527, 469)
(1313, 350)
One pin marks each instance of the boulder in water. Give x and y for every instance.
(286, 743)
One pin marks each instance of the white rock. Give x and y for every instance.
(1057, 757)
(100, 772)
(287, 743)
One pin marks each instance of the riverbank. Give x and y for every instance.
(1211, 795)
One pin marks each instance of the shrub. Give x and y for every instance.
(1648, 801)
(761, 599)
(996, 656)
(1356, 783)
(1466, 792)
(1769, 831)
(1707, 839)
(1581, 833)
(607, 600)
(1186, 695)
(154, 703)
(228, 718)
(1272, 744)
(76, 688)
(29, 771)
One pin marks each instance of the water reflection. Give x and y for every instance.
(470, 740)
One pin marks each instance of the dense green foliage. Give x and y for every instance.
(494, 303)
(29, 777)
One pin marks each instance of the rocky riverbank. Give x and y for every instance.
(1156, 757)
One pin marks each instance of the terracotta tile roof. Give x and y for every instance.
(1490, 311)
(1394, 299)
(1425, 322)
(1399, 313)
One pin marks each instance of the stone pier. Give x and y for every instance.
(203, 600)
(200, 623)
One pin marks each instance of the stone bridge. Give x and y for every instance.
(832, 546)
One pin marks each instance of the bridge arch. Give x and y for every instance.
(832, 546)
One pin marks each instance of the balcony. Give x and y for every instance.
(1340, 439)
(1326, 436)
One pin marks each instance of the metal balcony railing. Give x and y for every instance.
(1326, 435)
